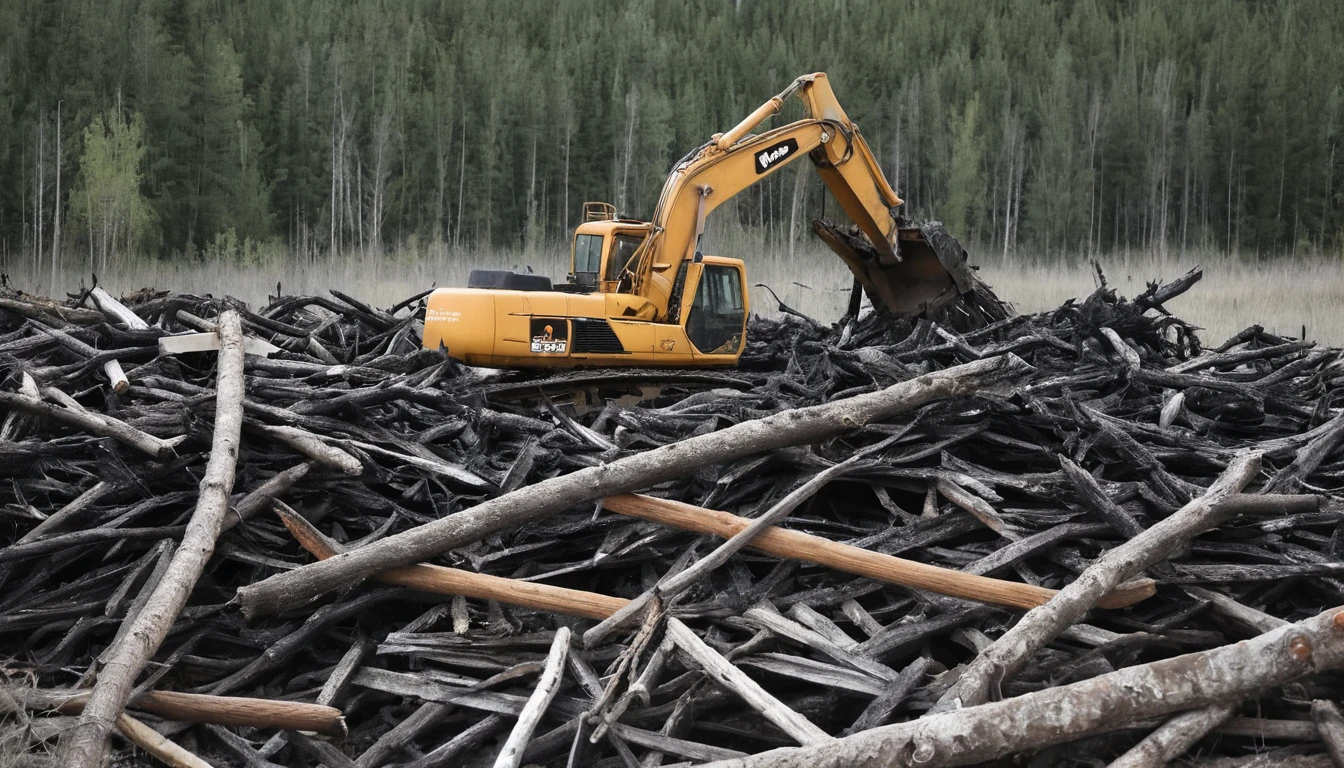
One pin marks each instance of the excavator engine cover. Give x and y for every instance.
(504, 280)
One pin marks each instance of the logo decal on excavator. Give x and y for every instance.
(772, 154)
(549, 337)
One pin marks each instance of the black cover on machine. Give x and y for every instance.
(508, 281)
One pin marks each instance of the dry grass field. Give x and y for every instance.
(1283, 295)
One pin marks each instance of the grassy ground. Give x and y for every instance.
(1284, 295)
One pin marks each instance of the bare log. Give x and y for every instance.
(673, 585)
(116, 377)
(85, 746)
(1330, 727)
(735, 680)
(1126, 352)
(511, 755)
(14, 420)
(157, 744)
(1041, 625)
(116, 311)
(977, 507)
(1097, 705)
(454, 581)
(200, 708)
(1308, 458)
(268, 492)
(796, 545)
(94, 423)
(804, 425)
(51, 314)
(62, 516)
(1175, 737)
(310, 445)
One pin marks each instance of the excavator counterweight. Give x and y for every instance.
(644, 293)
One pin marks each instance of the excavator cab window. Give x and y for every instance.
(621, 250)
(718, 314)
(587, 260)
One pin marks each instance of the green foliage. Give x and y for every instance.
(107, 204)
(967, 182)
(1032, 126)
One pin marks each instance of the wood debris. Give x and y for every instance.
(1065, 522)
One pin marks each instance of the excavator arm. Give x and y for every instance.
(733, 161)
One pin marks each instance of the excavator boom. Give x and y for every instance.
(644, 293)
(897, 269)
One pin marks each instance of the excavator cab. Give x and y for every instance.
(602, 249)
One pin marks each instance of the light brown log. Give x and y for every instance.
(316, 349)
(85, 745)
(1041, 625)
(95, 423)
(200, 708)
(775, 541)
(157, 744)
(796, 545)
(189, 320)
(453, 581)
(793, 427)
(673, 585)
(1063, 713)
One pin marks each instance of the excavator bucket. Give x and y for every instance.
(929, 278)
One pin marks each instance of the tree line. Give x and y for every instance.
(198, 128)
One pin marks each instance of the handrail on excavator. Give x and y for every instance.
(599, 212)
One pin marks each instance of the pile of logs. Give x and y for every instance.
(293, 537)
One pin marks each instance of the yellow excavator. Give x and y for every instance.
(641, 293)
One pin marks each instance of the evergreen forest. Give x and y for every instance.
(181, 129)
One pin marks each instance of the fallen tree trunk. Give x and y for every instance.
(794, 427)
(725, 674)
(200, 708)
(454, 581)
(1175, 737)
(1100, 704)
(85, 746)
(1006, 656)
(797, 545)
(168, 752)
(511, 754)
(94, 423)
(592, 605)
(673, 585)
